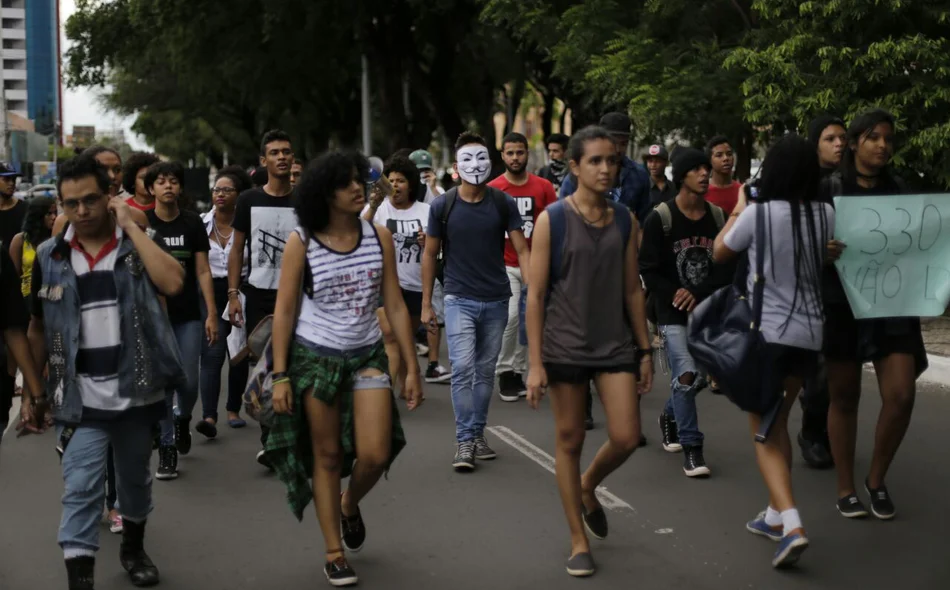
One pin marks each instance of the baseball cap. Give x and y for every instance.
(616, 123)
(422, 159)
(656, 151)
(7, 171)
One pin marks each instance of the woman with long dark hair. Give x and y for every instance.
(894, 345)
(228, 184)
(332, 392)
(37, 228)
(797, 228)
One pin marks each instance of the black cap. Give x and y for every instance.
(656, 151)
(7, 171)
(688, 159)
(616, 123)
(819, 124)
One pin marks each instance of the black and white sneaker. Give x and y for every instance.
(509, 389)
(881, 504)
(264, 460)
(694, 464)
(483, 452)
(464, 456)
(183, 434)
(436, 373)
(851, 507)
(167, 463)
(671, 439)
(354, 531)
(340, 573)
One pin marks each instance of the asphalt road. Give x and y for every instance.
(223, 525)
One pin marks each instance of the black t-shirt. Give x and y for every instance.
(680, 260)
(11, 223)
(184, 237)
(266, 223)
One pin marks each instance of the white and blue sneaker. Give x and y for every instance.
(790, 549)
(758, 526)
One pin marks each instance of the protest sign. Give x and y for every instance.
(897, 259)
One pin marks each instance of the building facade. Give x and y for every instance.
(31, 64)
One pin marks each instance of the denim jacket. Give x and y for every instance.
(150, 360)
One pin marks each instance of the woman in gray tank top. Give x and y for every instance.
(592, 327)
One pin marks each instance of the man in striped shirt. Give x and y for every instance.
(98, 321)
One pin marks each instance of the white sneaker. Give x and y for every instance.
(421, 349)
(438, 374)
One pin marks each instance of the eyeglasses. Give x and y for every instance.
(223, 190)
(88, 202)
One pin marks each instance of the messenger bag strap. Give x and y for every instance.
(758, 283)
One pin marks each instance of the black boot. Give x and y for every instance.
(132, 555)
(81, 573)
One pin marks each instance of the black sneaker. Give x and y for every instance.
(881, 504)
(167, 463)
(483, 452)
(183, 434)
(851, 507)
(339, 573)
(520, 385)
(508, 389)
(264, 460)
(80, 572)
(694, 464)
(436, 373)
(595, 522)
(354, 531)
(815, 453)
(207, 429)
(671, 439)
(464, 456)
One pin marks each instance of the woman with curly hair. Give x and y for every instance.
(335, 412)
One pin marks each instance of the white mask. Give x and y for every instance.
(473, 163)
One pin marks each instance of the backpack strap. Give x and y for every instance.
(450, 196)
(500, 199)
(666, 217)
(719, 215)
(623, 221)
(558, 224)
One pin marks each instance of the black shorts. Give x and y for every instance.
(790, 361)
(582, 375)
(413, 302)
(861, 341)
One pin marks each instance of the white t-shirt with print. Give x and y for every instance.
(405, 225)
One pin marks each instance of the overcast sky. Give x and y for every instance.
(81, 106)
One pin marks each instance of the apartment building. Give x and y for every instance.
(29, 47)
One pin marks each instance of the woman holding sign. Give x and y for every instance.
(894, 345)
(797, 226)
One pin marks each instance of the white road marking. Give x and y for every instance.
(663, 531)
(607, 499)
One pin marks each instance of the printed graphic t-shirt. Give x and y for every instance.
(682, 259)
(184, 236)
(266, 223)
(405, 225)
(531, 198)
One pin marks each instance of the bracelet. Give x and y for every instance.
(234, 292)
(280, 380)
(279, 375)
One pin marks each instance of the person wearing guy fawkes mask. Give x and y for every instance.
(468, 225)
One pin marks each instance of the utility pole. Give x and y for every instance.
(367, 130)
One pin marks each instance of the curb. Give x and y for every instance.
(938, 371)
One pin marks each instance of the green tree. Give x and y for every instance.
(846, 56)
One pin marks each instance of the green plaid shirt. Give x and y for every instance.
(331, 380)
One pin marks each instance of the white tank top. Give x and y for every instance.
(346, 285)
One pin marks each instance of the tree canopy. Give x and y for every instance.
(205, 77)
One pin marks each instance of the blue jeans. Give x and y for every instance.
(84, 475)
(474, 331)
(682, 402)
(189, 336)
(212, 359)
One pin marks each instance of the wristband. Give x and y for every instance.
(234, 292)
(279, 375)
(281, 380)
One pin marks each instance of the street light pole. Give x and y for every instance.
(367, 130)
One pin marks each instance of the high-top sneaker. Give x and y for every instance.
(132, 555)
(183, 434)
(694, 465)
(80, 571)
(167, 463)
(671, 439)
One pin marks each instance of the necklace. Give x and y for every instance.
(219, 237)
(603, 214)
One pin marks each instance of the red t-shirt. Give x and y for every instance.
(726, 198)
(135, 204)
(531, 197)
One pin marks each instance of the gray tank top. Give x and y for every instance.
(586, 322)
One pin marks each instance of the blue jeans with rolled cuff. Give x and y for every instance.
(682, 402)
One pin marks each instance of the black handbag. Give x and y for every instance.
(725, 340)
